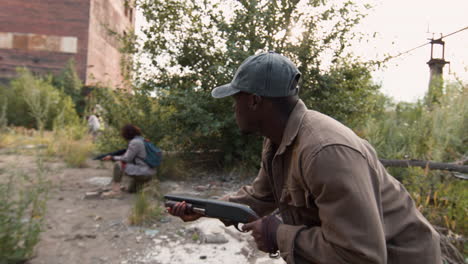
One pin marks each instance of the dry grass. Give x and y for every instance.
(73, 152)
(6, 140)
(72, 144)
(146, 208)
(18, 138)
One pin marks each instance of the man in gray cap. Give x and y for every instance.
(337, 202)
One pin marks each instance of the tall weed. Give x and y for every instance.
(146, 209)
(22, 208)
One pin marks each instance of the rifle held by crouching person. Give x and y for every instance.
(227, 212)
(114, 153)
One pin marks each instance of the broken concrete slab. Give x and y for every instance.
(100, 181)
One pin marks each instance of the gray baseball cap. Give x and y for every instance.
(266, 74)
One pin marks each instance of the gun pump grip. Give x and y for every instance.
(189, 209)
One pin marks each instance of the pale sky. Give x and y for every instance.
(405, 24)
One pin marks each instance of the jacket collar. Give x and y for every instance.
(292, 127)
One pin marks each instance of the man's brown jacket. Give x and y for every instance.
(337, 201)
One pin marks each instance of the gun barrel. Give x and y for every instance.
(113, 153)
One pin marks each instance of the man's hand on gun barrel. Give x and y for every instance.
(183, 210)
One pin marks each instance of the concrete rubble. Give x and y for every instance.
(214, 243)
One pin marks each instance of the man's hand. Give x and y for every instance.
(264, 233)
(106, 158)
(180, 210)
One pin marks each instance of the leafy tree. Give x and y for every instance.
(203, 42)
(70, 83)
(121, 108)
(345, 92)
(34, 102)
(38, 102)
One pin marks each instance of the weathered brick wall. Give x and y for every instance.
(103, 52)
(49, 18)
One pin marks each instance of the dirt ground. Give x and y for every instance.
(95, 231)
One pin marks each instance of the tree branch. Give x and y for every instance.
(423, 164)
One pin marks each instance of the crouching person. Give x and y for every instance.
(133, 163)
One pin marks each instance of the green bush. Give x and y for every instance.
(70, 84)
(22, 209)
(34, 102)
(120, 108)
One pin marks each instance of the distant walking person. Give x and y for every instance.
(131, 163)
(93, 125)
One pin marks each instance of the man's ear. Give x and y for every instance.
(255, 102)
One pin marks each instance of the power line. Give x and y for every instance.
(422, 45)
(460, 30)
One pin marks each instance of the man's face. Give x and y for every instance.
(245, 116)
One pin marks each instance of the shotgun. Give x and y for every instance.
(226, 211)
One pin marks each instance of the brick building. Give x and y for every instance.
(43, 35)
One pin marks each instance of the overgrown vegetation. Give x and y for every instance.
(22, 209)
(34, 102)
(70, 84)
(415, 131)
(46, 103)
(435, 129)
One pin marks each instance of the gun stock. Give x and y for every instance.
(233, 212)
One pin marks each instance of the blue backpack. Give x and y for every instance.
(153, 154)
